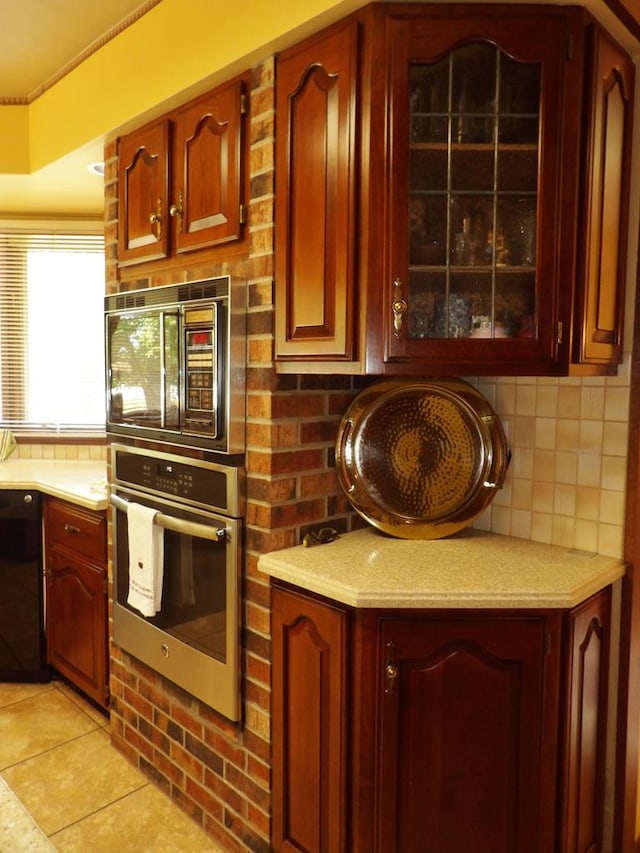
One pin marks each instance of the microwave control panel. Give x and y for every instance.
(201, 415)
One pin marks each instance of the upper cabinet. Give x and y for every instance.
(604, 203)
(491, 155)
(180, 179)
(315, 186)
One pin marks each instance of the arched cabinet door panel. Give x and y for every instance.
(465, 732)
(315, 191)
(143, 179)
(206, 204)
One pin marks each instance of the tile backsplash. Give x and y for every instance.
(567, 481)
(63, 452)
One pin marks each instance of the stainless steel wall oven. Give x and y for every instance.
(175, 360)
(194, 638)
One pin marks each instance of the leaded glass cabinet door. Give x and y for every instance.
(477, 108)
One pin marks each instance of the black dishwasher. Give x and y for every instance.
(22, 643)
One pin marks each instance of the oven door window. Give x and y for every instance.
(194, 593)
(144, 369)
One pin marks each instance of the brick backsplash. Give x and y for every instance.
(565, 485)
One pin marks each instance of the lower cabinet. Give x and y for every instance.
(76, 602)
(448, 731)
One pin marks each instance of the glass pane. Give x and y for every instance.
(429, 169)
(472, 172)
(428, 229)
(515, 304)
(517, 170)
(427, 297)
(473, 93)
(519, 86)
(429, 87)
(516, 222)
(472, 228)
(474, 164)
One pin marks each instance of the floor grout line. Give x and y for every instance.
(95, 811)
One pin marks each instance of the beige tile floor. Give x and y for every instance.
(64, 787)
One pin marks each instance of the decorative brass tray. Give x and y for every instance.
(421, 459)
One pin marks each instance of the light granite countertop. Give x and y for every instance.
(471, 569)
(82, 483)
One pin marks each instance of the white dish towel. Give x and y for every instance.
(146, 559)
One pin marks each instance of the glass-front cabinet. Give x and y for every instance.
(473, 193)
(453, 193)
(475, 230)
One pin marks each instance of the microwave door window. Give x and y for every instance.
(170, 379)
(144, 369)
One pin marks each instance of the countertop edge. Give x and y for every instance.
(525, 593)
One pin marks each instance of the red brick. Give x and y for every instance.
(228, 749)
(224, 793)
(258, 670)
(186, 720)
(138, 703)
(205, 799)
(259, 820)
(169, 769)
(258, 695)
(187, 762)
(241, 782)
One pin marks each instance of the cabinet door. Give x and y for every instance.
(77, 621)
(477, 104)
(315, 186)
(309, 708)
(467, 735)
(605, 204)
(206, 194)
(585, 725)
(143, 182)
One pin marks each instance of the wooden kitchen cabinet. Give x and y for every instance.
(599, 315)
(438, 731)
(317, 85)
(76, 605)
(491, 159)
(180, 179)
(310, 693)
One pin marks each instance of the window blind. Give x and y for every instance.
(52, 288)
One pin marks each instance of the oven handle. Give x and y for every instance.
(179, 525)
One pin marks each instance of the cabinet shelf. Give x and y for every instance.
(474, 147)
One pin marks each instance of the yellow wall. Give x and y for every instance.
(14, 133)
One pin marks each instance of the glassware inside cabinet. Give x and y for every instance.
(473, 195)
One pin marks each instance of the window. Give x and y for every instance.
(52, 289)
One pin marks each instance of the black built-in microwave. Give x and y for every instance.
(175, 361)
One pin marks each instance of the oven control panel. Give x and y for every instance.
(194, 482)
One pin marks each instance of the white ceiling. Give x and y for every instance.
(40, 41)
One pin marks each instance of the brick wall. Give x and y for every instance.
(217, 772)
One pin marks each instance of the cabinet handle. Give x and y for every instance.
(399, 308)
(178, 211)
(390, 670)
(155, 219)
(71, 528)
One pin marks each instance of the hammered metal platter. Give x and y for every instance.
(421, 459)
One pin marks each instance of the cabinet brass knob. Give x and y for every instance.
(177, 210)
(155, 219)
(398, 307)
(71, 528)
(390, 675)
